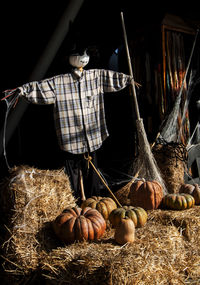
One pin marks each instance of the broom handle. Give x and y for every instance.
(130, 68)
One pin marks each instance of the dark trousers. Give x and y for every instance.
(74, 165)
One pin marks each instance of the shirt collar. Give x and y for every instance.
(77, 73)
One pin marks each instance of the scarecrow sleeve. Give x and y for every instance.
(39, 92)
(114, 81)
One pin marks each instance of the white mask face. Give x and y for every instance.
(79, 61)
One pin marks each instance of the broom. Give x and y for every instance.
(145, 165)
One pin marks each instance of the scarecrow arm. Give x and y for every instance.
(39, 92)
(113, 81)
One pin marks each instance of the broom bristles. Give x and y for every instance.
(146, 165)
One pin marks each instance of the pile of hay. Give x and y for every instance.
(30, 199)
(171, 159)
(166, 250)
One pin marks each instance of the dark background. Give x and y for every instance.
(26, 28)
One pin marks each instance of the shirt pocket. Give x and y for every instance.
(92, 92)
(90, 100)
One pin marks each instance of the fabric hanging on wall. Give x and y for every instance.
(175, 74)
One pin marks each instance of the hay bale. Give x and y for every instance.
(148, 261)
(187, 223)
(30, 199)
(161, 254)
(171, 159)
(166, 250)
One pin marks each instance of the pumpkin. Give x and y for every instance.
(179, 201)
(192, 189)
(186, 188)
(196, 194)
(104, 205)
(146, 194)
(76, 224)
(136, 214)
(125, 231)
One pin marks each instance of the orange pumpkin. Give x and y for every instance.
(186, 188)
(125, 231)
(75, 224)
(104, 205)
(192, 189)
(146, 194)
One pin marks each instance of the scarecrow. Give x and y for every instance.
(79, 115)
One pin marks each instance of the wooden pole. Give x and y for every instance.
(130, 68)
(83, 198)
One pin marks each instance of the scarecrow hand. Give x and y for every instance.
(11, 96)
(9, 92)
(138, 85)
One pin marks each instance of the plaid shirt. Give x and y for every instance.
(78, 105)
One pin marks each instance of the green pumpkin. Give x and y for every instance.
(136, 214)
(178, 201)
